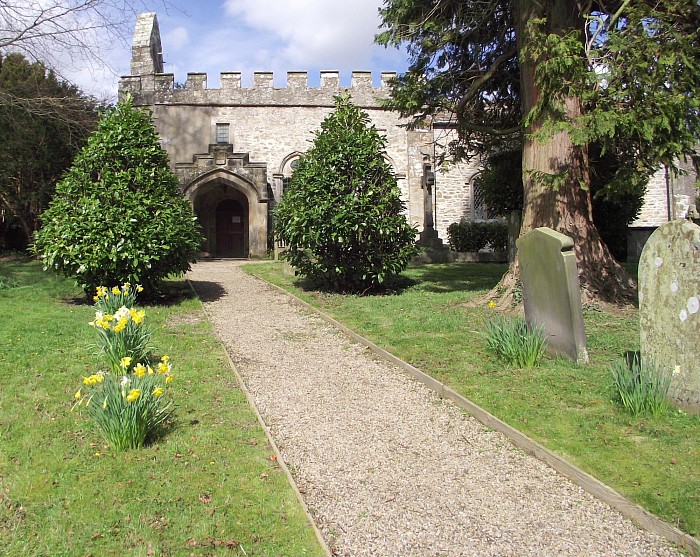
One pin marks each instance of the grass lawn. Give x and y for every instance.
(210, 487)
(568, 408)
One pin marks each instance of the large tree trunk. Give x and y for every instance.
(567, 208)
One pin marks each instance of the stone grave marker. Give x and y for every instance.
(551, 291)
(669, 304)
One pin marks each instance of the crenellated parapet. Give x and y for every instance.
(161, 88)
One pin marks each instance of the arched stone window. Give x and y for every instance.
(284, 175)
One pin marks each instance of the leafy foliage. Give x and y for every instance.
(617, 192)
(516, 342)
(476, 235)
(464, 64)
(641, 386)
(636, 69)
(118, 215)
(36, 146)
(342, 217)
(634, 65)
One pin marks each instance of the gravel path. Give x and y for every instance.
(385, 467)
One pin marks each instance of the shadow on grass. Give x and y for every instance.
(457, 277)
(170, 293)
(393, 286)
(434, 277)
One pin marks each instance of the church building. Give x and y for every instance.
(233, 149)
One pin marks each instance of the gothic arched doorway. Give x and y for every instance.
(231, 223)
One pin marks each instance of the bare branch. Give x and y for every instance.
(64, 34)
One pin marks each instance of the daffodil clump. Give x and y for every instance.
(119, 325)
(131, 401)
(128, 408)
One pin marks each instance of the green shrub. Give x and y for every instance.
(118, 214)
(471, 236)
(7, 283)
(496, 235)
(342, 217)
(501, 182)
(640, 386)
(515, 341)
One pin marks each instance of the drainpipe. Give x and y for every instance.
(670, 209)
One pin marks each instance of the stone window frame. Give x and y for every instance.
(223, 130)
(286, 169)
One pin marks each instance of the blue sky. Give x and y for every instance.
(259, 35)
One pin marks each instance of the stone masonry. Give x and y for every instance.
(233, 148)
(237, 145)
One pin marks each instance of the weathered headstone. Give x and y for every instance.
(669, 304)
(551, 291)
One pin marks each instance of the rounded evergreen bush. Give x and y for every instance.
(342, 217)
(118, 214)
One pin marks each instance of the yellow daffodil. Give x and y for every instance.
(119, 327)
(116, 291)
(126, 286)
(492, 304)
(137, 316)
(78, 394)
(165, 358)
(140, 370)
(133, 395)
(139, 288)
(168, 379)
(157, 392)
(163, 367)
(150, 370)
(125, 362)
(93, 379)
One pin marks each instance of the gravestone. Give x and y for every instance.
(551, 292)
(669, 304)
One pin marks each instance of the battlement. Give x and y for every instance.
(161, 87)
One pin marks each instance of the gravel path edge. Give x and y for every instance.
(640, 516)
(268, 435)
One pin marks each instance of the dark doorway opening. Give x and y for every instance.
(230, 229)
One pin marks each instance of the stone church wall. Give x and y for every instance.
(269, 126)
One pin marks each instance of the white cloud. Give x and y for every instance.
(333, 34)
(177, 39)
(214, 36)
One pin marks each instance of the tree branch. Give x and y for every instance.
(485, 77)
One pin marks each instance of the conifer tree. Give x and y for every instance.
(552, 78)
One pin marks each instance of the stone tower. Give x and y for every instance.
(146, 52)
